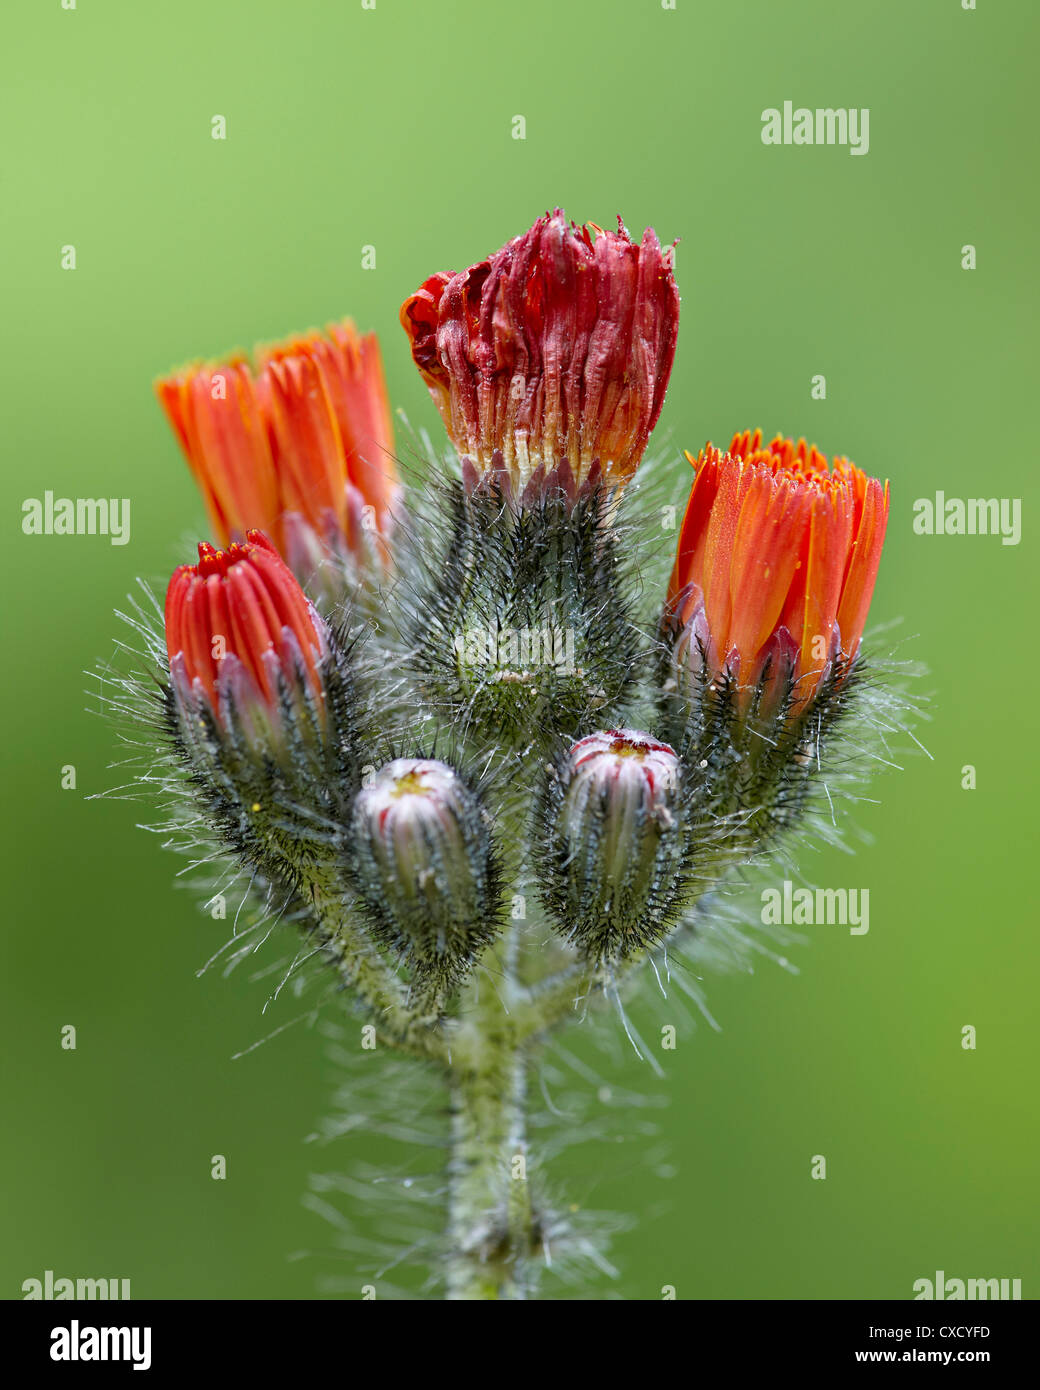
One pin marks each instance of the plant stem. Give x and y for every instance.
(494, 1238)
(491, 1225)
(364, 970)
(492, 1228)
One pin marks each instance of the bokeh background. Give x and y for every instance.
(392, 127)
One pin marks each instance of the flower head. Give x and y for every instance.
(240, 632)
(620, 783)
(776, 561)
(632, 771)
(412, 813)
(548, 361)
(425, 865)
(616, 841)
(298, 443)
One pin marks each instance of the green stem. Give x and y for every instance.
(494, 1240)
(492, 1232)
(399, 1022)
(564, 995)
(492, 1227)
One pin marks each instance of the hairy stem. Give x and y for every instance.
(492, 1227)
(399, 1022)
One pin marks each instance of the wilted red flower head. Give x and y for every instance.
(238, 626)
(776, 561)
(548, 361)
(298, 443)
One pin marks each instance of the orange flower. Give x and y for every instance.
(776, 561)
(299, 443)
(237, 626)
(549, 360)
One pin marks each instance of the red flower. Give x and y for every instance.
(549, 360)
(299, 443)
(237, 625)
(777, 560)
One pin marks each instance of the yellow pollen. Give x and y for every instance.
(410, 783)
(621, 748)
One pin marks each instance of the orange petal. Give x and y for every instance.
(863, 565)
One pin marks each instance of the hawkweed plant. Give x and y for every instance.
(458, 738)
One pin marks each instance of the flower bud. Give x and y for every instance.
(772, 582)
(426, 868)
(261, 703)
(549, 360)
(243, 640)
(616, 840)
(775, 568)
(297, 442)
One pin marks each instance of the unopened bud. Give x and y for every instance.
(260, 703)
(245, 644)
(617, 842)
(426, 868)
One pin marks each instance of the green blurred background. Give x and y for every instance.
(392, 127)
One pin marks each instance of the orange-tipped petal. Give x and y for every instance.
(784, 550)
(862, 567)
(689, 557)
(765, 554)
(305, 434)
(830, 535)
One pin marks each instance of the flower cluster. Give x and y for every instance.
(452, 801)
(549, 362)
